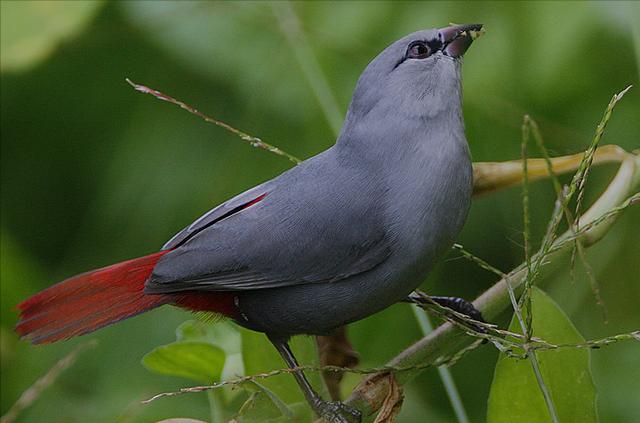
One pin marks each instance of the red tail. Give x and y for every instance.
(89, 301)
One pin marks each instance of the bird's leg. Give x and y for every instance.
(333, 412)
(454, 303)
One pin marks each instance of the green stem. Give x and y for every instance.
(543, 387)
(297, 39)
(215, 408)
(445, 374)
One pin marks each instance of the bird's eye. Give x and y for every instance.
(418, 50)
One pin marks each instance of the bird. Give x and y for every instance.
(339, 237)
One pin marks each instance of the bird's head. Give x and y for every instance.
(416, 76)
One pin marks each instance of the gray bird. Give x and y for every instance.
(335, 239)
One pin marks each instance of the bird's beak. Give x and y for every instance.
(456, 39)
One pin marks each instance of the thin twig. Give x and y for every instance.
(29, 396)
(582, 176)
(546, 394)
(613, 212)
(253, 141)
(582, 181)
(526, 327)
(574, 187)
(526, 217)
(572, 223)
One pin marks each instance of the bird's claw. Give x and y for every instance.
(455, 303)
(337, 412)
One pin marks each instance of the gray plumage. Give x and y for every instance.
(354, 229)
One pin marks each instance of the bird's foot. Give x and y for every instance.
(454, 303)
(337, 412)
(461, 306)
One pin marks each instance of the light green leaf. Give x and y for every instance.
(198, 361)
(31, 30)
(515, 395)
(223, 334)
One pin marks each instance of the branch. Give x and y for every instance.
(493, 176)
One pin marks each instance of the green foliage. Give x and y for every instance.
(198, 354)
(31, 30)
(204, 351)
(223, 335)
(515, 394)
(197, 361)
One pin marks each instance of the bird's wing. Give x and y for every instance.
(236, 276)
(273, 237)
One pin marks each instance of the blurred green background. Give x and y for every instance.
(94, 173)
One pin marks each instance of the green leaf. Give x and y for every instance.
(31, 30)
(198, 361)
(222, 334)
(515, 395)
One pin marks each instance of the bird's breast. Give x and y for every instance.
(429, 207)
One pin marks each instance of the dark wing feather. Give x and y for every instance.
(303, 230)
(245, 278)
